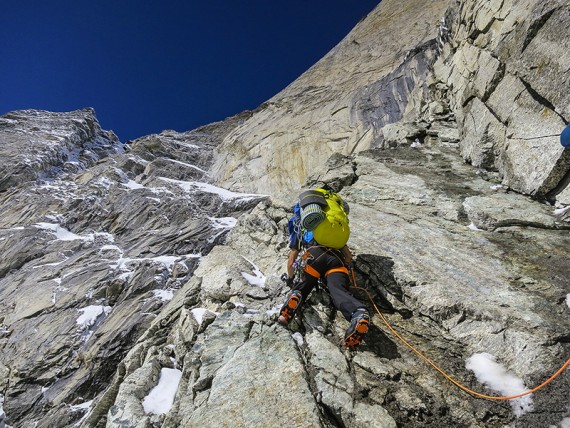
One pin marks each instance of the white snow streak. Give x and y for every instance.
(2, 414)
(90, 314)
(164, 295)
(62, 234)
(223, 222)
(497, 378)
(224, 194)
(133, 185)
(81, 406)
(160, 399)
(257, 279)
(298, 338)
(199, 313)
(188, 165)
(273, 311)
(167, 261)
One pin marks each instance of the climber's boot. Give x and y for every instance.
(358, 328)
(288, 310)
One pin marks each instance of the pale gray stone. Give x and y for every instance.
(372, 416)
(508, 210)
(333, 382)
(483, 136)
(262, 384)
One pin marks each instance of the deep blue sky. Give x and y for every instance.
(150, 65)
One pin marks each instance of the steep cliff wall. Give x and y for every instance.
(504, 72)
(501, 72)
(339, 105)
(130, 274)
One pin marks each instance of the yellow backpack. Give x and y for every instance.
(326, 215)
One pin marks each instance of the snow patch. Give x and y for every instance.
(180, 143)
(224, 194)
(187, 164)
(199, 313)
(223, 222)
(257, 279)
(61, 234)
(473, 227)
(57, 289)
(298, 338)
(497, 187)
(2, 414)
(110, 247)
(166, 261)
(105, 182)
(164, 295)
(133, 185)
(497, 378)
(160, 398)
(82, 406)
(568, 300)
(90, 314)
(562, 210)
(273, 311)
(250, 313)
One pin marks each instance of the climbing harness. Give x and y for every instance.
(441, 371)
(307, 255)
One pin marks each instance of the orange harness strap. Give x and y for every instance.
(339, 269)
(313, 272)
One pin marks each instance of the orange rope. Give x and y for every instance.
(448, 377)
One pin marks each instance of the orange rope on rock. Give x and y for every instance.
(448, 377)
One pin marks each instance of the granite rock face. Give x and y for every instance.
(90, 256)
(490, 72)
(152, 269)
(40, 144)
(503, 71)
(339, 105)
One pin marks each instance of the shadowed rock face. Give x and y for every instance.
(131, 264)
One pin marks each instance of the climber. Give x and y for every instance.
(319, 230)
(565, 137)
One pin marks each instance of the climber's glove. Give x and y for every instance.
(289, 281)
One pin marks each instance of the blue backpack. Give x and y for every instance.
(565, 137)
(304, 237)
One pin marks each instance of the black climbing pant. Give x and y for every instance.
(322, 260)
